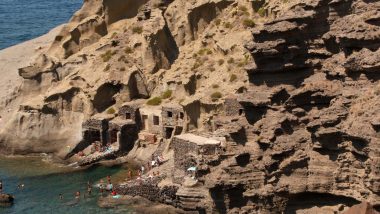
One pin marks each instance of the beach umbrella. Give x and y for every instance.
(193, 168)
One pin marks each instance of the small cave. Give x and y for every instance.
(104, 97)
(310, 98)
(191, 86)
(240, 137)
(257, 5)
(287, 127)
(193, 111)
(217, 195)
(243, 159)
(329, 140)
(137, 87)
(272, 79)
(307, 200)
(253, 113)
(236, 198)
(280, 97)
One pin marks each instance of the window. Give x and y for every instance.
(156, 120)
(181, 115)
(170, 114)
(128, 116)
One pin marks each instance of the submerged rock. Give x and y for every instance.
(6, 200)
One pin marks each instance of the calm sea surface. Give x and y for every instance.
(22, 20)
(44, 182)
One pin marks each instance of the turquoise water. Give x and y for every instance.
(44, 182)
(22, 20)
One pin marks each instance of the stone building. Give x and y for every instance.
(123, 132)
(95, 129)
(131, 111)
(188, 150)
(173, 117)
(151, 123)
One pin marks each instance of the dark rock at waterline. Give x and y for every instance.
(6, 200)
(138, 205)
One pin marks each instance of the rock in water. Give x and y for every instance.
(6, 200)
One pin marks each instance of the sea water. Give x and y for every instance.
(22, 20)
(44, 182)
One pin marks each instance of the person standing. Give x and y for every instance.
(77, 195)
(142, 169)
(89, 188)
(129, 174)
(1, 186)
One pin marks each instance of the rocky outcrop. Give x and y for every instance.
(292, 88)
(6, 200)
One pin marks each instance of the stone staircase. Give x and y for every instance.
(161, 147)
(192, 198)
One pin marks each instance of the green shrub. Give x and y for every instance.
(233, 77)
(215, 86)
(216, 95)
(217, 22)
(227, 25)
(137, 30)
(262, 12)
(196, 65)
(204, 51)
(221, 62)
(108, 55)
(111, 111)
(167, 94)
(230, 60)
(243, 8)
(107, 68)
(128, 50)
(249, 23)
(155, 101)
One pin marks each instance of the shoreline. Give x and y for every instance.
(15, 57)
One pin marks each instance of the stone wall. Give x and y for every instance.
(232, 107)
(100, 124)
(172, 116)
(148, 125)
(130, 112)
(149, 189)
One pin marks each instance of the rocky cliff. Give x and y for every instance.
(293, 87)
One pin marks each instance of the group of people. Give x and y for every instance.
(102, 188)
(97, 147)
(156, 160)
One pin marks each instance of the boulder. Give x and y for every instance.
(6, 200)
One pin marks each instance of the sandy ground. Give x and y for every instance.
(15, 57)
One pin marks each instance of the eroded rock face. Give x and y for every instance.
(293, 87)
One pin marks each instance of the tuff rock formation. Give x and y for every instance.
(281, 98)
